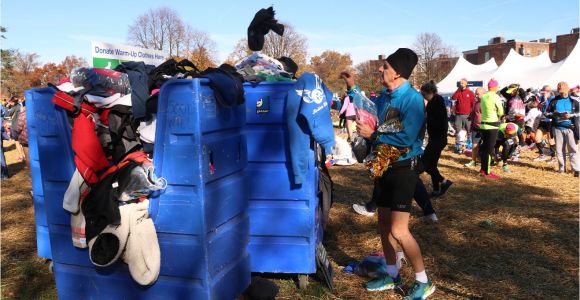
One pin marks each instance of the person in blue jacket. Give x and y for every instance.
(396, 187)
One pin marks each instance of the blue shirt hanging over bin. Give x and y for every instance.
(308, 115)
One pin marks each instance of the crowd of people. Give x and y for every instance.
(13, 127)
(492, 125)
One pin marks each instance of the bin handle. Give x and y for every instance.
(211, 163)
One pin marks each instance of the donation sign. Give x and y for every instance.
(109, 56)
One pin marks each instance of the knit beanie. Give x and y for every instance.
(403, 61)
(492, 84)
(510, 128)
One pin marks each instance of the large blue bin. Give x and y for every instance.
(285, 224)
(201, 218)
(42, 238)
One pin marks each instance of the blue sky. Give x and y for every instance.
(55, 29)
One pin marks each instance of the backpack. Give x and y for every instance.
(516, 107)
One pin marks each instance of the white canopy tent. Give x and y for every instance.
(467, 70)
(527, 71)
(569, 70)
(531, 72)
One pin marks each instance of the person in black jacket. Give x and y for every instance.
(437, 131)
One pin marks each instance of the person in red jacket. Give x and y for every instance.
(464, 100)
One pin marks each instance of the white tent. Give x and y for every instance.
(569, 70)
(465, 69)
(531, 72)
(527, 71)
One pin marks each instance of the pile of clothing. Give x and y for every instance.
(113, 119)
(259, 67)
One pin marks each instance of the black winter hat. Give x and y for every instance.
(289, 64)
(403, 61)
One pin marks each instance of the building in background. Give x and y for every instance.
(499, 48)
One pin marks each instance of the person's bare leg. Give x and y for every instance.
(401, 234)
(349, 129)
(19, 149)
(389, 244)
(474, 151)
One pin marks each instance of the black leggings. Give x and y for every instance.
(430, 159)
(507, 148)
(488, 139)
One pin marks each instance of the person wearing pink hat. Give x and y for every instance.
(464, 101)
(508, 137)
(491, 112)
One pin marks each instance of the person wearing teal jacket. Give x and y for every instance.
(401, 115)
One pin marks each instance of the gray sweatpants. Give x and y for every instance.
(565, 137)
(462, 122)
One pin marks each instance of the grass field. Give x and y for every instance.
(530, 251)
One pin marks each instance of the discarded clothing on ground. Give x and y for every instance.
(370, 266)
(342, 153)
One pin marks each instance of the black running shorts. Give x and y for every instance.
(395, 189)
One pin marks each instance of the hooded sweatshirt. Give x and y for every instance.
(308, 116)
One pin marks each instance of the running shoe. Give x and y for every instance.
(420, 291)
(384, 283)
(491, 176)
(552, 161)
(361, 209)
(444, 187)
(542, 157)
(516, 158)
(506, 169)
(430, 218)
(470, 164)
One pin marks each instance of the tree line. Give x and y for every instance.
(164, 29)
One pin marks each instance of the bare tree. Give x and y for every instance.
(25, 63)
(200, 47)
(431, 50)
(163, 29)
(240, 51)
(292, 44)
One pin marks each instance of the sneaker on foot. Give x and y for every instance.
(361, 209)
(540, 158)
(420, 291)
(430, 218)
(444, 187)
(506, 169)
(552, 161)
(491, 176)
(384, 283)
(470, 164)
(516, 158)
